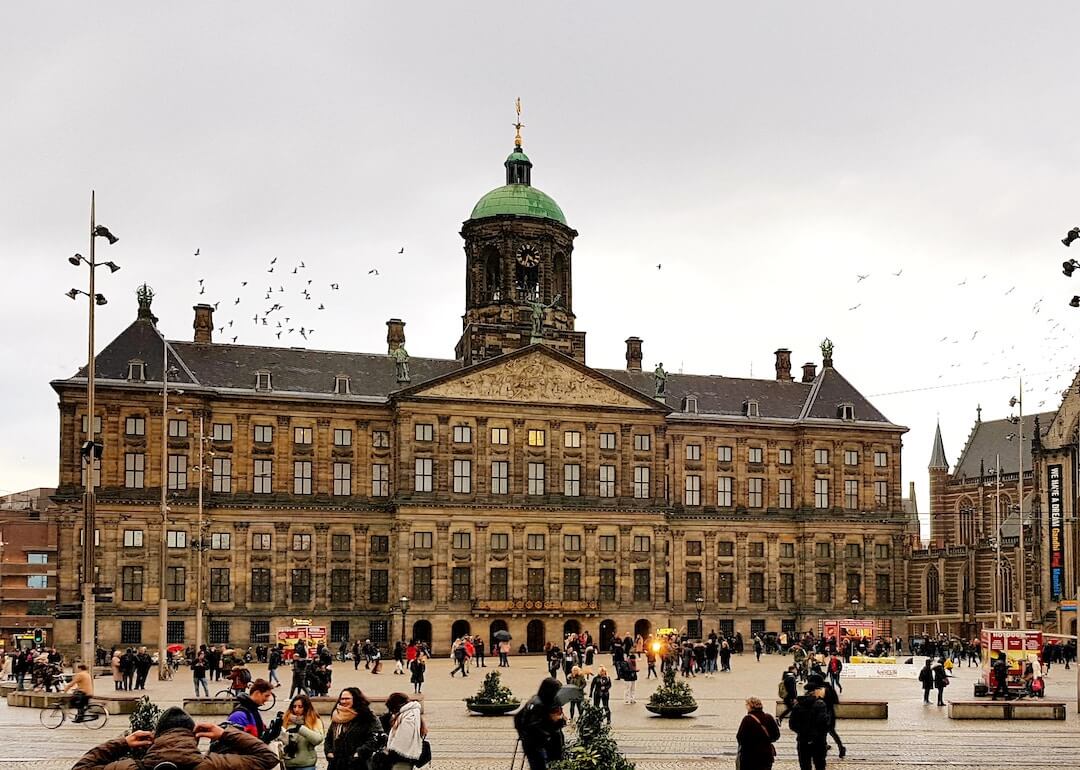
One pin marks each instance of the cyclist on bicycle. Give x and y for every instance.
(246, 714)
(240, 678)
(82, 687)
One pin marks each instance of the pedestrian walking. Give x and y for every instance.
(757, 649)
(539, 724)
(576, 679)
(926, 679)
(460, 655)
(630, 672)
(117, 674)
(418, 667)
(399, 657)
(941, 681)
(834, 668)
(198, 675)
(272, 664)
(303, 732)
(788, 692)
(504, 654)
(600, 691)
(478, 647)
(829, 697)
(810, 722)
(348, 742)
(757, 733)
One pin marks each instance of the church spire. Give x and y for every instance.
(937, 458)
(518, 165)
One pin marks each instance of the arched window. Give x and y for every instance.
(1006, 587)
(493, 276)
(933, 591)
(528, 282)
(966, 512)
(560, 277)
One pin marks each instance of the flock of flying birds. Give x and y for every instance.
(288, 291)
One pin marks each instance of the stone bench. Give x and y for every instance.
(6, 688)
(1003, 709)
(323, 705)
(35, 700)
(854, 709)
(118, 703)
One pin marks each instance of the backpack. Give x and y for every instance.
(521, 719)
(781, 691)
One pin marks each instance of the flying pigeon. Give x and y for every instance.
(860, 278)
(234, 339)
(272, 261)
(334, 286)
(372, 271)
(899, 272)
(243, 283)
(237, 301)
(201, 282)
(202, 290)
(196, 252)
(270, 270)
(402, 251)
(321, 306)
(216, 304)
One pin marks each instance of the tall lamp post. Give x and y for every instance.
(699, 604)
(1018, 401)
(163, 599)
(854, 607)
(404, 603)
(91, 448)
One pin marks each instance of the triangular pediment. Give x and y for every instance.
(536, 375)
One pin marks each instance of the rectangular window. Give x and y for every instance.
(37, 558)
(607, 543)
(301, 585)
(787, 550)
(260, 541)
(220, 585)
(379, 632)
(379, 587)
(301, 541)
(134, 470)
(881, 493)
(97, 423)
(132, 583)
(222, 474)
(641, 482)
(693, 548)
(823, 550)
(693, 586)
(572, 439)
(607, 584)
(425, 432)
(723, 454)
(571, 584)
(500, 436)
(642, 585)
(177, 471)
(178, 429)
(342, 437)
(881, 550)
(537, 437)
(342, 479)
(341, 586)
(461, 584)
(607, 481)
(174, 632)
(821, 456)
(264, 477)
(380, 480)
(757, 587)
(380, 544)
(130, 632)
(463, 476)
(176, 538)
(572, 480)
(571, 543)
(642, 544)
(302, 477)
(264, 434)
(221, 431)
(693, 451)
(755, 492)
(851, 457)
(852, 551)
(462, 540)
(341, 543)
(500, 477)
(881, 459)
(500, 541)
(260, 584)
(607, 440)
(851, 494)
(883, 593)
(821, 493)
(462, 434)
(175, 582)
(786, 489)
(97, 473)
(725, 548)
(536, 478)
(135, 426)
(692, 491)
(422, 583)
(37, 581)
(535, 541)
(755, 455)
(756, 549)
(824, 588)
(787, 587)
(785, 457)
(421, 540)
(534, 586)
(423, 474)
(259, 631)
(133, 538)
(380, 439)
(498, 584)
(724, 495)
(725, 588)
(642, 442)
(220, 541)
(854, 585)
(218, 630)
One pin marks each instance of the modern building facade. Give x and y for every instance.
(28, 569)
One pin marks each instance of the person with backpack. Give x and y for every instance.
(756, 736)
(272, 665)
(941, 681)
(834, 668)
(247, 716)
(539, 724)
(630, 672)
(926, 679)
(787, 692)
(810, 722)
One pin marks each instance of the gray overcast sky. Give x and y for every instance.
(764, 153)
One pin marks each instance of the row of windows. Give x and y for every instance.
(536, 437)
(536, 482)
(755, 492)
(135, 425)
(756, 456)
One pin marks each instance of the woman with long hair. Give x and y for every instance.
(303, 732)
(406, 734)
(352, 726)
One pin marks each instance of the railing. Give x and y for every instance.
(535, 605)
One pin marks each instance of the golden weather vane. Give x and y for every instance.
(518, 125)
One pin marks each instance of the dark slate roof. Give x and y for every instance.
(988, 440)
(722, 395)
(938, 461)
(830, 390)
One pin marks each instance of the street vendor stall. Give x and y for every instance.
(1019, 647)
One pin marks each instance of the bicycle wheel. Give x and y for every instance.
(96, 716)
(225, 694)
(52, 717)
(269, 703)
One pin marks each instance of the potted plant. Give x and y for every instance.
(493, 699)
(672, 699)
(594, 748)
(144, 717)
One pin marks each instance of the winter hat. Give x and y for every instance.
(173, 718)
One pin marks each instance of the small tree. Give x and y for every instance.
(672, 693)
(492, 691)
(594, 748)
(144, 717)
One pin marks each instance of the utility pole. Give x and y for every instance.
(163, 601)
(199, 541)
(998, 598)
(89, 614)
(1018, 401)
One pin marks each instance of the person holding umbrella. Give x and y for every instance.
(502, 642)
(540, 722)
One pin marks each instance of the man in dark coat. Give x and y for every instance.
(143, 664)
(828, 695)
(926, 679)
(539, 726)
(810, 721)
(127, 668)
(1000, 670)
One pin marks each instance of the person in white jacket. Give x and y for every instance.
(405, 740)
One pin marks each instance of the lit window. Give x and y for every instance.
(572, 439)
(342, 437)
(301, 435)
(264, 434)
(821, 456)
(423, 474)
(881, 459)
(607, 481)
(785, 457)
(178, 429)
(462, 434)
(537, 437)
(851, 457)
(133, 538)
(135, 426)
(222, 431)
(424, 432)
(500, 436)
(176, 538)
(755, 455)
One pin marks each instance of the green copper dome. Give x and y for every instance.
(520, 200)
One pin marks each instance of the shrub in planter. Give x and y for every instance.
(672, 698)
(144, 717)
(493, 698)
(594, 748)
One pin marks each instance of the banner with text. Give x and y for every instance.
(1057, 547)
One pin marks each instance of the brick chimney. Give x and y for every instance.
(633, 354)
(395, 334)
(204, 323)
(809, 372)
(783, 365)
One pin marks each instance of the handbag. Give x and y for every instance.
(425, 754)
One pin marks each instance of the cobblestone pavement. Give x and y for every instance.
(914, 736)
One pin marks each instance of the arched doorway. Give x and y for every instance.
(571, 627)
(607, 634)
(421, 631)
(496, 625)
(535, 636)
(459, 629)
(642, 628)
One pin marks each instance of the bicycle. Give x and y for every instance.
(232, 694)
(94, 718)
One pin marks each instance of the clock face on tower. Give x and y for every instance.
(527, 257)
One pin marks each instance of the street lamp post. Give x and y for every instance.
(404, 603)
(854, 608)
(699, 603)
(163, 600)
(91, 448)
(1018, 401)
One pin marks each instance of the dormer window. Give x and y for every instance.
(262, 380)
(136, 371)
(750, 407)
(690, 404)
(342, 385)
(845, 411)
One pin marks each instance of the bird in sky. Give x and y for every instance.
(264, 321)
(660, 265)
(962, 283)
(860, 278)
(216, 304)
(1010, 291)
(237, 301)
(899, 272)
(230, 324)
(234, 339)
(294, 270)
(856, 307)
(303, 330)
(201, 281)
(321, 306)
(202, 290)
(267, 297)
(291, 331)
(302, 265)
(281, 289)
(272, 261)
(279, 325)
(256, 318)
(402, 250)
(303, 334)
(335, 286)
(196, 252)
(270, 270)
(309, 282)
(976, 334)
(243, 283)
(279, 335)
(221, 330)
(286, 319)
(372, 271)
